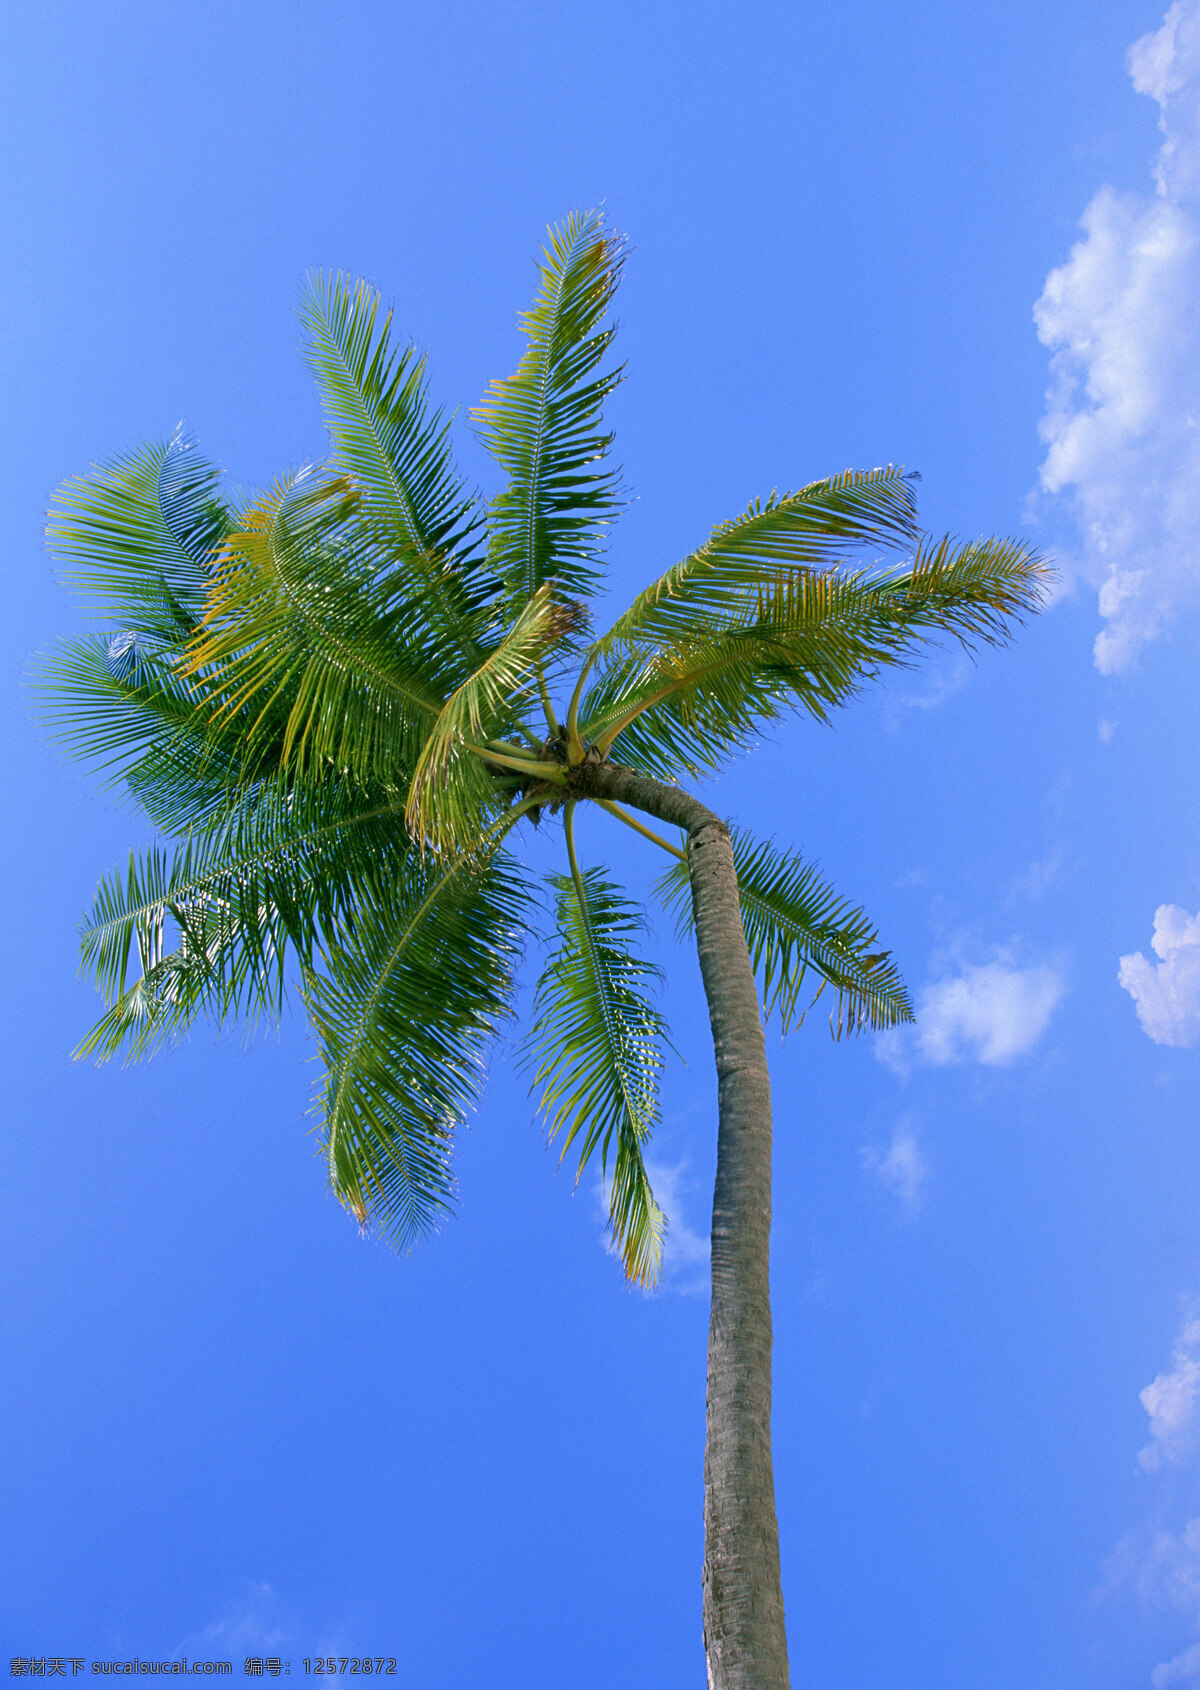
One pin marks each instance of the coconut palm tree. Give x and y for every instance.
(346, 700)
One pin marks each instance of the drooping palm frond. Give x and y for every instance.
(596, 1043)
(108, 697)
(397, 450)
(125, 704)
(293, 619)
(212, 925)
(288, 657)
(404, 1010)
(139, 535)
(544, 424)
(794, 921)
(812, 530)
(212, 966)
(448, 787)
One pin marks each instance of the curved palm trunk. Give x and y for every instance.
(744, 1638)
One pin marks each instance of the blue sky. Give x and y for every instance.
(231, 1426)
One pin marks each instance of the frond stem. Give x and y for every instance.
(575, 752)
(511, 817)
(604, 744)
(543, 691)
(549, 772)
(569, 831)
(646, 832)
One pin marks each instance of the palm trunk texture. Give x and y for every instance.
(744, 1638)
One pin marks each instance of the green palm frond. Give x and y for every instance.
(802, 639)
(596, 1042)
(397, 450)
(794, 921)
(449, 785)
(140, 534)
(191, 783)
(404, 1010)
(545, 426)
(799, 638)
(205, 963)
(159, 1007)
(125, 705)
(294, 622)
(975, 591)
(812, 530)
(108, 697)
(211, 926)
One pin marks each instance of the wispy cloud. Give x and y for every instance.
(990, 1012)
(1157, 1561)
(251, 1625)
(1167, 993)
(1168, 1572)
(1037, 877)
(941, 683)
(1184, 1669)
(901, 1167)
(1122, 321)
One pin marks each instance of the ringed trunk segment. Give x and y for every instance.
(744, 1637)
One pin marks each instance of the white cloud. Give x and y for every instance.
(684, 1248)
(901, 1169)
(1162, 1568)
(1167, 993)
(1172, 1400)
(1122, 320)
(991, 1012)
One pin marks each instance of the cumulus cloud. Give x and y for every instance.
(901, 1169)
(1122, 321)
(1167, 993)
(991, 1012)
(1161, 1568)
(1172, 1400)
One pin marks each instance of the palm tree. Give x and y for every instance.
(346, 699)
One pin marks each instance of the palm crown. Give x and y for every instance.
(344, 698)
